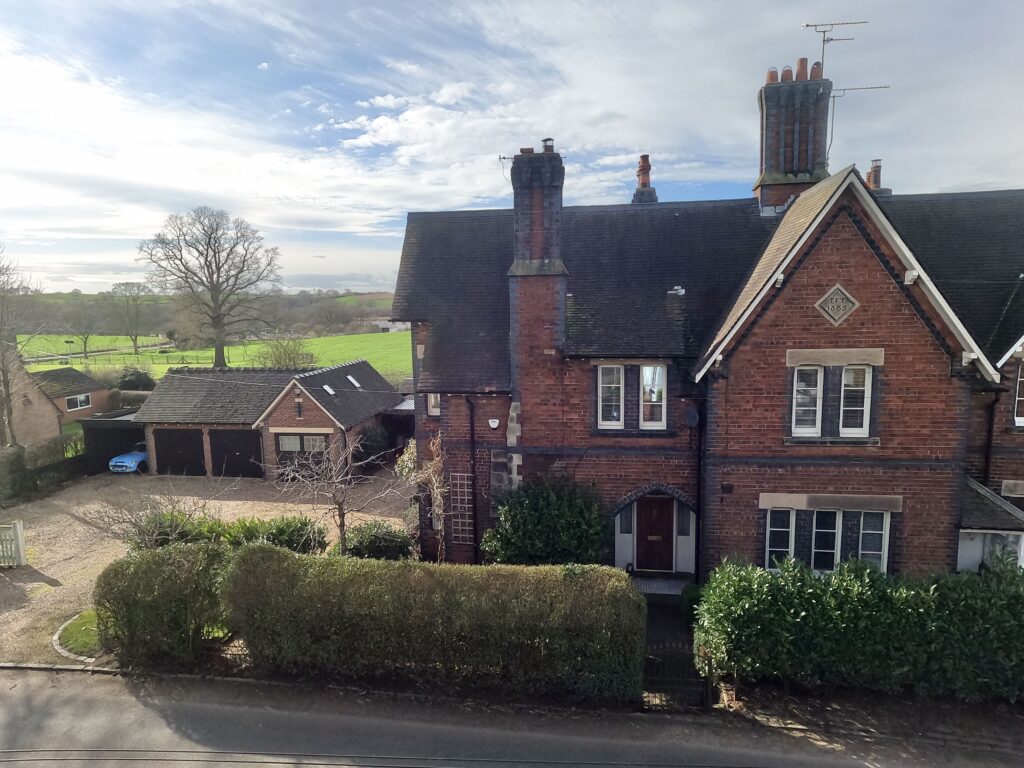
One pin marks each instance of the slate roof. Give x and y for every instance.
(984, 509)
(623, 261)
(972, 245)
(213, 395)
(350, 404)
(63, 382)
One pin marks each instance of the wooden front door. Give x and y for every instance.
(655, 534)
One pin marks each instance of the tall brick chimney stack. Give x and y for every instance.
(794, 128)
(874, 178)
(645, 193)
(537, 179)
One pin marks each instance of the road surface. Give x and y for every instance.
(74, 719)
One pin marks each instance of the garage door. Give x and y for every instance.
(236, 452)
(103, 443)
(179, 451)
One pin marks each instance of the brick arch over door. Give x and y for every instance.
(659, 488)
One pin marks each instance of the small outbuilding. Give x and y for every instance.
(76, 394)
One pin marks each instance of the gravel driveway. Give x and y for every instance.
(67, 549)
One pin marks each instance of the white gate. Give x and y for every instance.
(12, 545)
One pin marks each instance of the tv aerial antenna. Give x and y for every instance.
(838, 93)
(825, 29)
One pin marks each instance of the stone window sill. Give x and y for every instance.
(633, 433)
(837, 441)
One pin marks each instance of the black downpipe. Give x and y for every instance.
(699, 500)
(472, 474)
(990, 437)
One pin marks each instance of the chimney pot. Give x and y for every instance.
(549, 145)
(787, 74)
(874, 179)
(772, 76)
(643, 172)
(801, 68)
(816, 71)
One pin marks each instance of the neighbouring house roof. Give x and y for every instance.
(984, 509)
(972, 244)
(357, 391)
(213, 395)
(623, 261)
(63, 382)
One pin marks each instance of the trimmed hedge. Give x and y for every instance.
(378, 539)
(573, 631)
(158, 604)
(957, 634)
(296, 533)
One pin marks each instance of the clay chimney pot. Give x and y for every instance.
(801, 69)
(772, 76)
(787, 74)
(816, 71)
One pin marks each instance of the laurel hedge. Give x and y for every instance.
(158, 605)
(960, 635)
(570, 631)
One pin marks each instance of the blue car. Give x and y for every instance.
(133, 461)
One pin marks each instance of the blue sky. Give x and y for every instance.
(324, 123)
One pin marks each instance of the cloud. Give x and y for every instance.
(452, 93)
(387, 101)
(263, 66)
(405, 67)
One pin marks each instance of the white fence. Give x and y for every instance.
(12, 545)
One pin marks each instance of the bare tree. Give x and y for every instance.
(128, 304)
(431, 479)
(82, 320)
(342, 479)
(15, 290)
(218, 264)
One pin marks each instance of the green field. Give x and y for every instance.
(57, 344)
(389, 353)
(373, 304)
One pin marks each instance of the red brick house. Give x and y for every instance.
(813, 371)
(76, 394)
(239, 422)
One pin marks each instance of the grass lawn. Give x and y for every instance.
(378, 304)
(389, 353)
(55, 344)
(80, 636)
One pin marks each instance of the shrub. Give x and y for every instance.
(135, 380)
(158, 605)
(378, 539)
(298, 534)
(573, 631)
(374, 441)
(957, 634)
(548, 521)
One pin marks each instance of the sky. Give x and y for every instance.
(324, 123)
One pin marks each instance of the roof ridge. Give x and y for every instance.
(198, 369)
(331, 367)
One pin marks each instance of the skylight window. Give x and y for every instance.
(355, 383)
(328, 390)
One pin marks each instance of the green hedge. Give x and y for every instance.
(549, 521)
(163, 527)
(574, 631)
(158, 605)
(378, 539)
(957, 634)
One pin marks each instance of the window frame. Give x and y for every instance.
(807, 431)
(768, 548)
(886, 518)
(663, 423)
(1018, 405)
(838, 542)
(312, 437)
(865, 429)
(621, 423)
(78, 399)
(282, 449)
(433, 403)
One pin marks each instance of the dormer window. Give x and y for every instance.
(433, 404)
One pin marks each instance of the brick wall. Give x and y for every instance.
(1007, 456)
(286, 415)
(921, 406)
(36, 419)
(100, 404)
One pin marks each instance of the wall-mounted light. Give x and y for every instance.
(493, 423)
